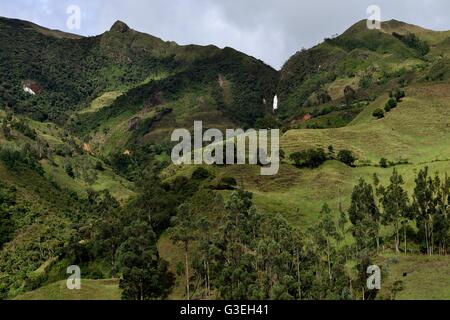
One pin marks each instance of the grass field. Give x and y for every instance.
(104, 100)
(424, 278)
(417, 130)
(90, 290)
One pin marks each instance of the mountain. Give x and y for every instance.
(86, 176)
(366, 60)
(73, 71)
(73, 111)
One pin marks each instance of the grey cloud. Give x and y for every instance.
(267, 29)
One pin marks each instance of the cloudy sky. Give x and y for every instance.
(271, 30)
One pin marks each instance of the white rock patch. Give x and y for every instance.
(275, 103)
(29, 90)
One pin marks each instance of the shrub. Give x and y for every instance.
(398, 94)
(268, 122)
(391, 104)
(229, 181)
(225, 183)
(69, 170)
(383, 163)
(23, 127)
(99, 166)
(201, 174)
(16, 158)
(412, 41)
(365, 81)
(378, 113)
(311, 158)
(347, 157)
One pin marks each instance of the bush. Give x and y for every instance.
(69, 171)
(398, 94)
(200, 174)
(23, 127)
(347, 157)
(229, 181)
(384, 163)
(16, 158)
(391, 104)
(311, 158)
(378, 113)
(412, 41)
(99, 166)
(268, 122)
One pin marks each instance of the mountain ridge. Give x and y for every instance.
(88, 156)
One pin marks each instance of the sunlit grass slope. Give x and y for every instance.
(90, 290)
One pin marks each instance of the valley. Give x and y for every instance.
(86, 176)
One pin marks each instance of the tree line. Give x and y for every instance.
(259, 256)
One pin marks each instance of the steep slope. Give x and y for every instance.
(48, 181)
(366, 61)
(127, 91)
(67, 103)
(70, 72)
(410, 137)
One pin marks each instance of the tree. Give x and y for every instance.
(158, 203)
(430, 208)
(442, 218)
(347, 157)
(364, 260)
(423, 206)
(395, 202)
(397, 287)
(364, 216)
(107, 230)
(268, 122)
(239, 233)
(183, 232)
(311, 158)
(145, 275)
(327, 229)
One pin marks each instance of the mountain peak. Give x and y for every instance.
(120, 26)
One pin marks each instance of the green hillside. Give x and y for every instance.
(86, 177)
(90, 290)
